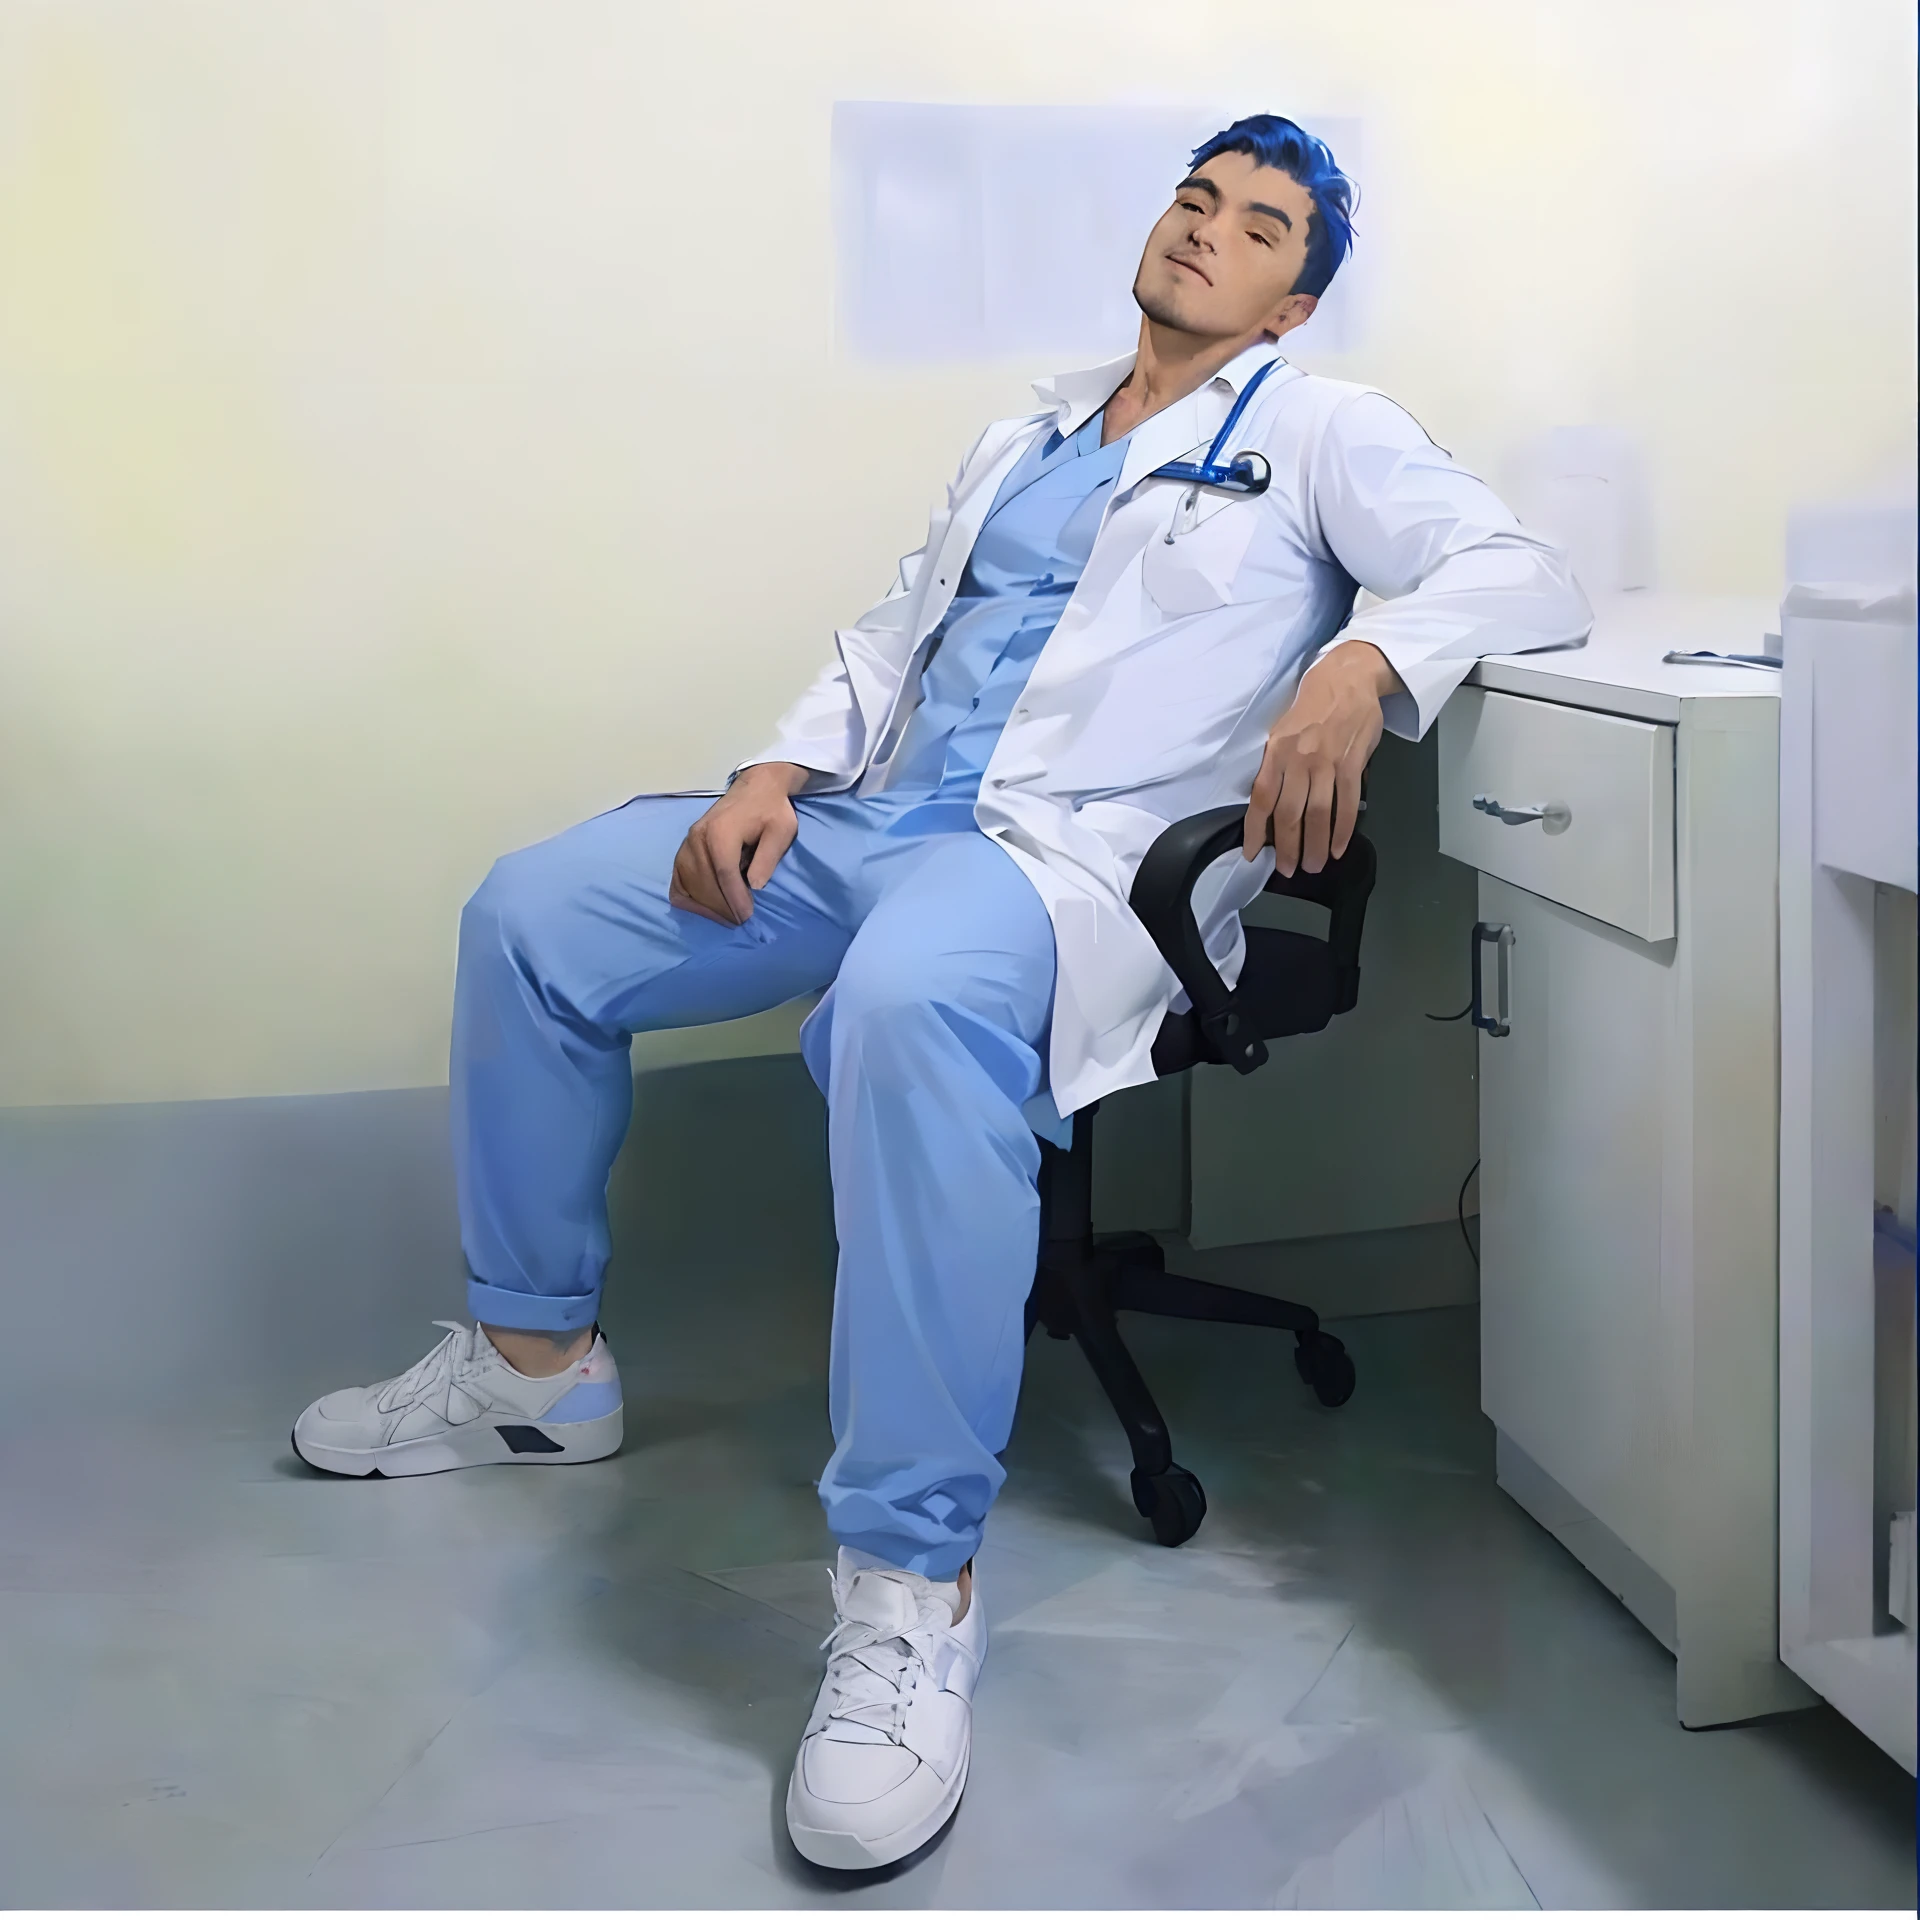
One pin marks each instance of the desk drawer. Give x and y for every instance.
(1603, 783)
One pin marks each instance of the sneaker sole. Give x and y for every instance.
(848, 1853)
(480, 1443)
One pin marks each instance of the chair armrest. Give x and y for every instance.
(1343, 887)
(1162, 897)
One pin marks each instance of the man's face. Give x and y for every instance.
(1222, 260)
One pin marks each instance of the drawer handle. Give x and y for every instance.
(1498, 1024)
(1556, 816)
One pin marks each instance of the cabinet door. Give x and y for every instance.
(1572, 1105)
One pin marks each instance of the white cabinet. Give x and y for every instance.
(1622, 814)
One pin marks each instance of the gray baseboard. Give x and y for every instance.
(168, 1251)
(1343, 1276)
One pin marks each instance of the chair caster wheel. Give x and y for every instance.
(1325, 1365)
(1173, 1502)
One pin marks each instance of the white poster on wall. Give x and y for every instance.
(975, 233)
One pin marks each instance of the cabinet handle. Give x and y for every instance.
(1499, 1024)
(1555, 815)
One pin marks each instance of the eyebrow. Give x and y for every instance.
(1199, 183)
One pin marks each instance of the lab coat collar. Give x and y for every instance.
(1243, 366)
(1076, 397)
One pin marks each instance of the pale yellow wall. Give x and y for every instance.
(367, 370)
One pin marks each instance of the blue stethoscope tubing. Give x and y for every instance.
(1246, 473)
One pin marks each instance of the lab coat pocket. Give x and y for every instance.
(1189, 565)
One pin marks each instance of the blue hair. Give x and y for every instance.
(1291, 150)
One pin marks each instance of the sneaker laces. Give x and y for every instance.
(869, 1668)
(433, 1377)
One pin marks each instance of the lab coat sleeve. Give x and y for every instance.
(824, 730)
(1456, 574)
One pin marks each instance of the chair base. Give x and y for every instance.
(1083, 1282)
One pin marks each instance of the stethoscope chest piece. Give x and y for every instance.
(1251, 472)
(1246, 474)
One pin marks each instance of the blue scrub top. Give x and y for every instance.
(1024, 567)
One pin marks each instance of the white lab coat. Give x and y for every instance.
(1153, 697)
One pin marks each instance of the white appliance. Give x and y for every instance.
(1847, 1143)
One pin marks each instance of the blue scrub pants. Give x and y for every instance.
(938, 959)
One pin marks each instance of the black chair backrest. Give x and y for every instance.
(1343, 887)
(1293, 984)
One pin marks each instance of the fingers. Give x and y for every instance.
(1316, 816)
(1258, 826)
(730, 851)
(693, 887)
(1361, 742)
(726, 849)
(1308, 801)
(679, 884)
(1288, 811)
(776, 836)
(1346, 811)
(700, 871)
(687, 904)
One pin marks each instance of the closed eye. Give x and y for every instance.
(1261, 238)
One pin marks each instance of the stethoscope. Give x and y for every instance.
(1246, 473)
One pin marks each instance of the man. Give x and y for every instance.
(942, 836)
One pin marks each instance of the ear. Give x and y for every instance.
(1294, 311)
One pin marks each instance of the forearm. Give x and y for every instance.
(1363, 665)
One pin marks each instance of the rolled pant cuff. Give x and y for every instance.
(942, 1562)
(531, 1312)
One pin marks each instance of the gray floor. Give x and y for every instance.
(1370, 1681)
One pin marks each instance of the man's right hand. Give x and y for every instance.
(732, 849)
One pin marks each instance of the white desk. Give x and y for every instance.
(1628, 1119)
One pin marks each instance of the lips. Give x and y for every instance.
(1175, 260)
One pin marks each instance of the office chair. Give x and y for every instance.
(1290, 983)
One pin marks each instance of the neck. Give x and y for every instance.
(1171, 364)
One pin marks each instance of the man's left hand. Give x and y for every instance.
(1306, 800)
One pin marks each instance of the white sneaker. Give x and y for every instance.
(884, 1759)
(463, 1406)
